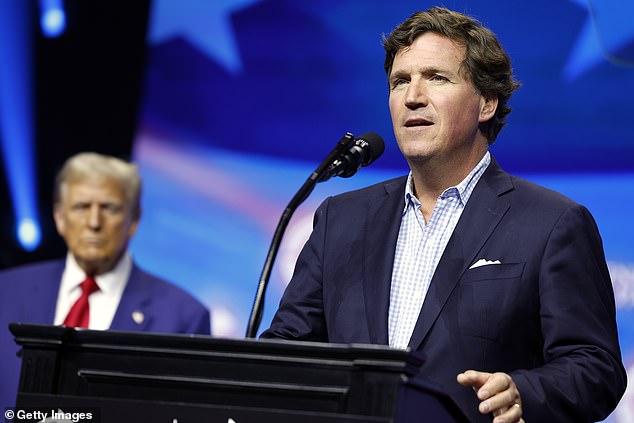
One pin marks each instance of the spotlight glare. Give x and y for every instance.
(53, 18)
(17, 119)
(29, 234)
(53, 23)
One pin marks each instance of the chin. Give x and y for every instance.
(93, 258)
(417, 149)
(417, 156)
(93, 261)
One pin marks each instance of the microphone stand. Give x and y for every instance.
(255, 317)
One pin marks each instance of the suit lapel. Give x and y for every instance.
(480, 217)
(134, 312)
(381, 232)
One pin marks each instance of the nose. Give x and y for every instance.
(416, 95)
(94, 217)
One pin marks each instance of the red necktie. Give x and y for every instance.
(79, 314)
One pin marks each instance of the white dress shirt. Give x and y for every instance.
(419, 247)
(103, 303)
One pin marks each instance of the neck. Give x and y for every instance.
(433, 176)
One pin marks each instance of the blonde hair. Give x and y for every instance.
(94, 166)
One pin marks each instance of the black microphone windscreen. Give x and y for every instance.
(375, 145)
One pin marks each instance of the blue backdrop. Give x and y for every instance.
(243, 98)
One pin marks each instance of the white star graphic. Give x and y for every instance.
(205, 23)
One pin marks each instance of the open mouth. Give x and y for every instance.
(413, 123)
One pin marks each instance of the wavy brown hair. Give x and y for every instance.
(486, 63)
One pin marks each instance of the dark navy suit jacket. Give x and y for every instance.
(546, 314)
(28, 294)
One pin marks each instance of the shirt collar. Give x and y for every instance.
(107, 282)
(463, 190)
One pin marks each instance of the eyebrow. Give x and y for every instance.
(428, 70)
(398, 74)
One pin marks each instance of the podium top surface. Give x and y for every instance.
(46, 336)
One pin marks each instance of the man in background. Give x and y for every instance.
(501, 283)
(98, 285)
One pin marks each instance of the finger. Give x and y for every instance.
(496, 383)
(473, 378)
(499, 403)
(512, 414)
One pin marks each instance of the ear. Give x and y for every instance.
(488, 106)
(58, 216)
(134, 225)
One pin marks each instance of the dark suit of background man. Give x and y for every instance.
(96, 211)
(501, 283)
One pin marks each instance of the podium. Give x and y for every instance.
(136, 377)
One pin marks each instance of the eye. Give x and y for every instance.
(80, 206)
(438, 78)
(111, 208)
(398, 82)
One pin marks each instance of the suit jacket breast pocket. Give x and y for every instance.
(494, 271)
(487, 298)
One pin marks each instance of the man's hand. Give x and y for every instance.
(497, 393)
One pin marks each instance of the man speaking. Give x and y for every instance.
(501, 283)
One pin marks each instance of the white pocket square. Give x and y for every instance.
(483, 262)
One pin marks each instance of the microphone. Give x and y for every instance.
(365, 150)
(348, 156)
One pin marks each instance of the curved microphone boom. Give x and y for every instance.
(348, 156)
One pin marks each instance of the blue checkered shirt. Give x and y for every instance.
(419, 248)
